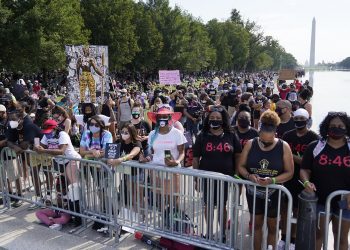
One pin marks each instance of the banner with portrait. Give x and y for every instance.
(88, 79)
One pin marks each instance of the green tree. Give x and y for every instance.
(263, 61)
(220, 43)
(37, 31)
(111, 23)
(149, 40)
(199, 53)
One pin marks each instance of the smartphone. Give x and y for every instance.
(36, 141)
(167, 154)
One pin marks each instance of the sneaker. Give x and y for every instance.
(17, 203)
(33, 206)
(103, 230)
(57, 227)
(281, 245)
(292, 246)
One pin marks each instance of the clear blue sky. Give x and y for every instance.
(288, 21)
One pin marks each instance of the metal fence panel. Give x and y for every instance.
(328, 214)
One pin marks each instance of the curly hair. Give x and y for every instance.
(225, 120)
(324, 126)
(270, 118)
(305, 94)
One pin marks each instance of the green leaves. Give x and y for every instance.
(142, 36)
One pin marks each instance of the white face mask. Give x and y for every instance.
(94, 129)
(14, 124)
(125, 137)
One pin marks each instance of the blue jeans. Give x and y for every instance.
(334, 212)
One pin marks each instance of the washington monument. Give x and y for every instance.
(312, 52)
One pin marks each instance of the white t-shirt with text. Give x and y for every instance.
(169, 141)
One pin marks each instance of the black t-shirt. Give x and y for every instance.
(330, 170)
(127, 148)
(217, 153)
(245, 137)
(285, 127)
(298, 146)
(27, 133)
(143, 129)
(232, 98)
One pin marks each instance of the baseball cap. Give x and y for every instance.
(49, 125)
(301, 112)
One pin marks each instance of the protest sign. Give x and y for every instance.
(112, 151)
(286, 74)
(171, 77)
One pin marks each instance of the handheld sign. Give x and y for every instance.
(112, 151)
(171, 77)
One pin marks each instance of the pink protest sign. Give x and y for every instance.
(169, 77)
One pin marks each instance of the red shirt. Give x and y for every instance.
(36, 88)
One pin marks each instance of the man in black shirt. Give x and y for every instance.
(284, 111)
(298, 140)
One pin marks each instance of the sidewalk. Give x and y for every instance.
(19, 229)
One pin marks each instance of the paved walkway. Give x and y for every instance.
(20, 230)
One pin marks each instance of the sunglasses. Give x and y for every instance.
(124, 133)
(93, 124)
(337, 113)
(213, 108)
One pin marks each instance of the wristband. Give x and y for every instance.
(237, 177)
(125, 158)
(305, 183)
(273, 180)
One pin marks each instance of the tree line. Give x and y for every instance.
(142, 36)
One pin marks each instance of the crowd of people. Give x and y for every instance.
(237, 124)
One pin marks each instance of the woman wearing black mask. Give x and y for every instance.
(243, 129)
(325, 168)
(142, 127)
(298, 140)
(265, 160)
(217, 149)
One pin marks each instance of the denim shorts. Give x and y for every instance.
(335, 212)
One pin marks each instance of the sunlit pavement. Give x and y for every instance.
(19, 229)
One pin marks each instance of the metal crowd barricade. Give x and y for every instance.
(80, 187)
(192, 206)
(196, 207)
(329, 200)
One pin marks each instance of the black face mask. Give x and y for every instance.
(300, 124)
(265, 144)
(279, 112)
(215, 124)
(135, 116)
(336, 133)
(243, 123)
